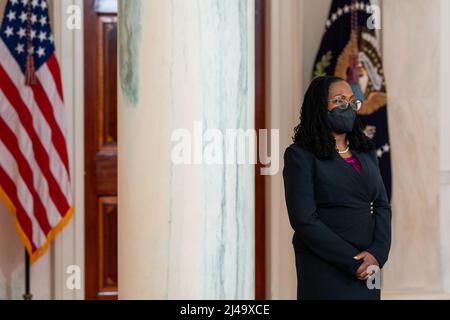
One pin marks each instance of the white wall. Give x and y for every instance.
(445, 144)
(284, 79)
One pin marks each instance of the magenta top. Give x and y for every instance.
(354, 162)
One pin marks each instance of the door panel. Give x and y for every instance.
(100, 22)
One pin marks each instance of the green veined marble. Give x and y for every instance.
(130, 35)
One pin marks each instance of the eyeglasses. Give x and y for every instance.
(342, 103)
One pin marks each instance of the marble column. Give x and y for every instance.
(444, 115)
(414, 100)
(185, 231)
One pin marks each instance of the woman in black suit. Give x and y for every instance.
(336, 199)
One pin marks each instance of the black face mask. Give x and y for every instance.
(342, 120)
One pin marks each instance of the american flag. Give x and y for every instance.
(34, 164)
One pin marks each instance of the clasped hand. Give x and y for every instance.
(368, 260)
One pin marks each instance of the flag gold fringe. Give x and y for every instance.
(51, 235)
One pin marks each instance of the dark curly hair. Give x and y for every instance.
(314, 133)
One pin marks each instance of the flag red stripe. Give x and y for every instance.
(42, 158)
(11, 191)
(53, 65)
(10, 141)
(47, 110)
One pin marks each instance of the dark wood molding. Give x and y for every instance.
(260, 123)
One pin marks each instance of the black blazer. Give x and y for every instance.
(335, 211)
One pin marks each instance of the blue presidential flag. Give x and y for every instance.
(350, 50)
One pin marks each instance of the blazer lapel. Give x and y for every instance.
(360, 178)
(364, 176)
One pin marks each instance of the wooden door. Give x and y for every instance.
(100, 32)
